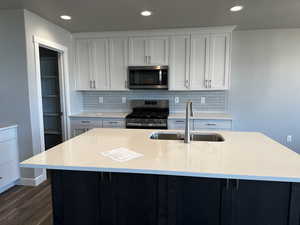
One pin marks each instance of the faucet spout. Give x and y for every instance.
(188, 114)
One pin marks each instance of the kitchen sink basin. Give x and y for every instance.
(209, 137)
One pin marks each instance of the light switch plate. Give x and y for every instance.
(100, 100)
(176, 99)
(124, 100)
(202, 100)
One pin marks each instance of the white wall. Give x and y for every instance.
(37, 26)
(14, 96)
(265, 90)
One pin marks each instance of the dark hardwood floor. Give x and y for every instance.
(22, 205)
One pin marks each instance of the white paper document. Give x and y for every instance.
(121, 154)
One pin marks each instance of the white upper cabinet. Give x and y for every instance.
(148, 51)
(198, 59)
(118, 51)
(179, 62)
(84, 74)
(219, 61)
(100, 64)
(199, 65)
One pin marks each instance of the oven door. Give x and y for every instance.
(149, 77)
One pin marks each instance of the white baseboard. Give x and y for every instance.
(33, 181)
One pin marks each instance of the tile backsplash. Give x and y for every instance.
(215, 101)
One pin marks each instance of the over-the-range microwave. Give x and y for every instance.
(148, 77)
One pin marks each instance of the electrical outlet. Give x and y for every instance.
(176, 100)
(202, 100)
(289, 139)
(124, 100)
(100, 100)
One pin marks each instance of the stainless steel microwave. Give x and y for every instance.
(148, 77)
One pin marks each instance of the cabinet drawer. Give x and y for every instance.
(8, 134)
(86, 123)
(9, 172)
(178, 124)
(113, 123)
(8, 151)
(212, 124)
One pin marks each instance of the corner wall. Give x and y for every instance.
(265, 83)
(37, 26)
(14, 93)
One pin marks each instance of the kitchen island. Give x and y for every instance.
(246, 179)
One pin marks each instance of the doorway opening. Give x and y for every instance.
(51, 97)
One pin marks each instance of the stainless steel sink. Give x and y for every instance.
(209, 137)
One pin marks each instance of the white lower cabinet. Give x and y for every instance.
(177, 124)
(9, 158)
(200, 124)
(113, 123)
(212, 124)
(81, 125)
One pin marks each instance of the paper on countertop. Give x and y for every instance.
(121, 154)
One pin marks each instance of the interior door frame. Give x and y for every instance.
(63, 64)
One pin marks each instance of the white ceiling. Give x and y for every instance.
(100, 15)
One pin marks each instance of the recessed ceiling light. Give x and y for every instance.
(65, 17)
(146, 13)
(236, 8)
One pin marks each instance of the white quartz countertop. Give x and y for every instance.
(241, 156)
(7, 125)
(199, 115)
(120, 115)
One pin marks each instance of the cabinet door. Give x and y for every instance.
(137, 51)
(219, 61)
(179, 62)
(199, 66)
(75, 197)
(118, 63)
(100, 65)
(83, 65)
(260, 202)
(157, 50)
(136, 198)
(194, 200)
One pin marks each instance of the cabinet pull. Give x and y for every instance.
(227, 184)
(211, 124)
(149, 60)
(146, 59)
(109, 177)
(209, 83)
(91, 84)
(85, 121)
(187, 83)
(179, 121)
(237, 185)
(94, 86)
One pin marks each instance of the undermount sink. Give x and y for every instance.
(209, 137)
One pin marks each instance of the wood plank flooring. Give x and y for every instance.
(22, 205)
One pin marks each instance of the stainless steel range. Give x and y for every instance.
(148, 114)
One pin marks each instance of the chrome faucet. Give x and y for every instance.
(188, 114)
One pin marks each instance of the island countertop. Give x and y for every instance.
(243, 155)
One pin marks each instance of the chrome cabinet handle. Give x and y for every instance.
(94, 84)
(91, 84)
(179, 121)
(187, 83)
(149, 60)
(211, 124)
(85, 121)
(209, 83)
